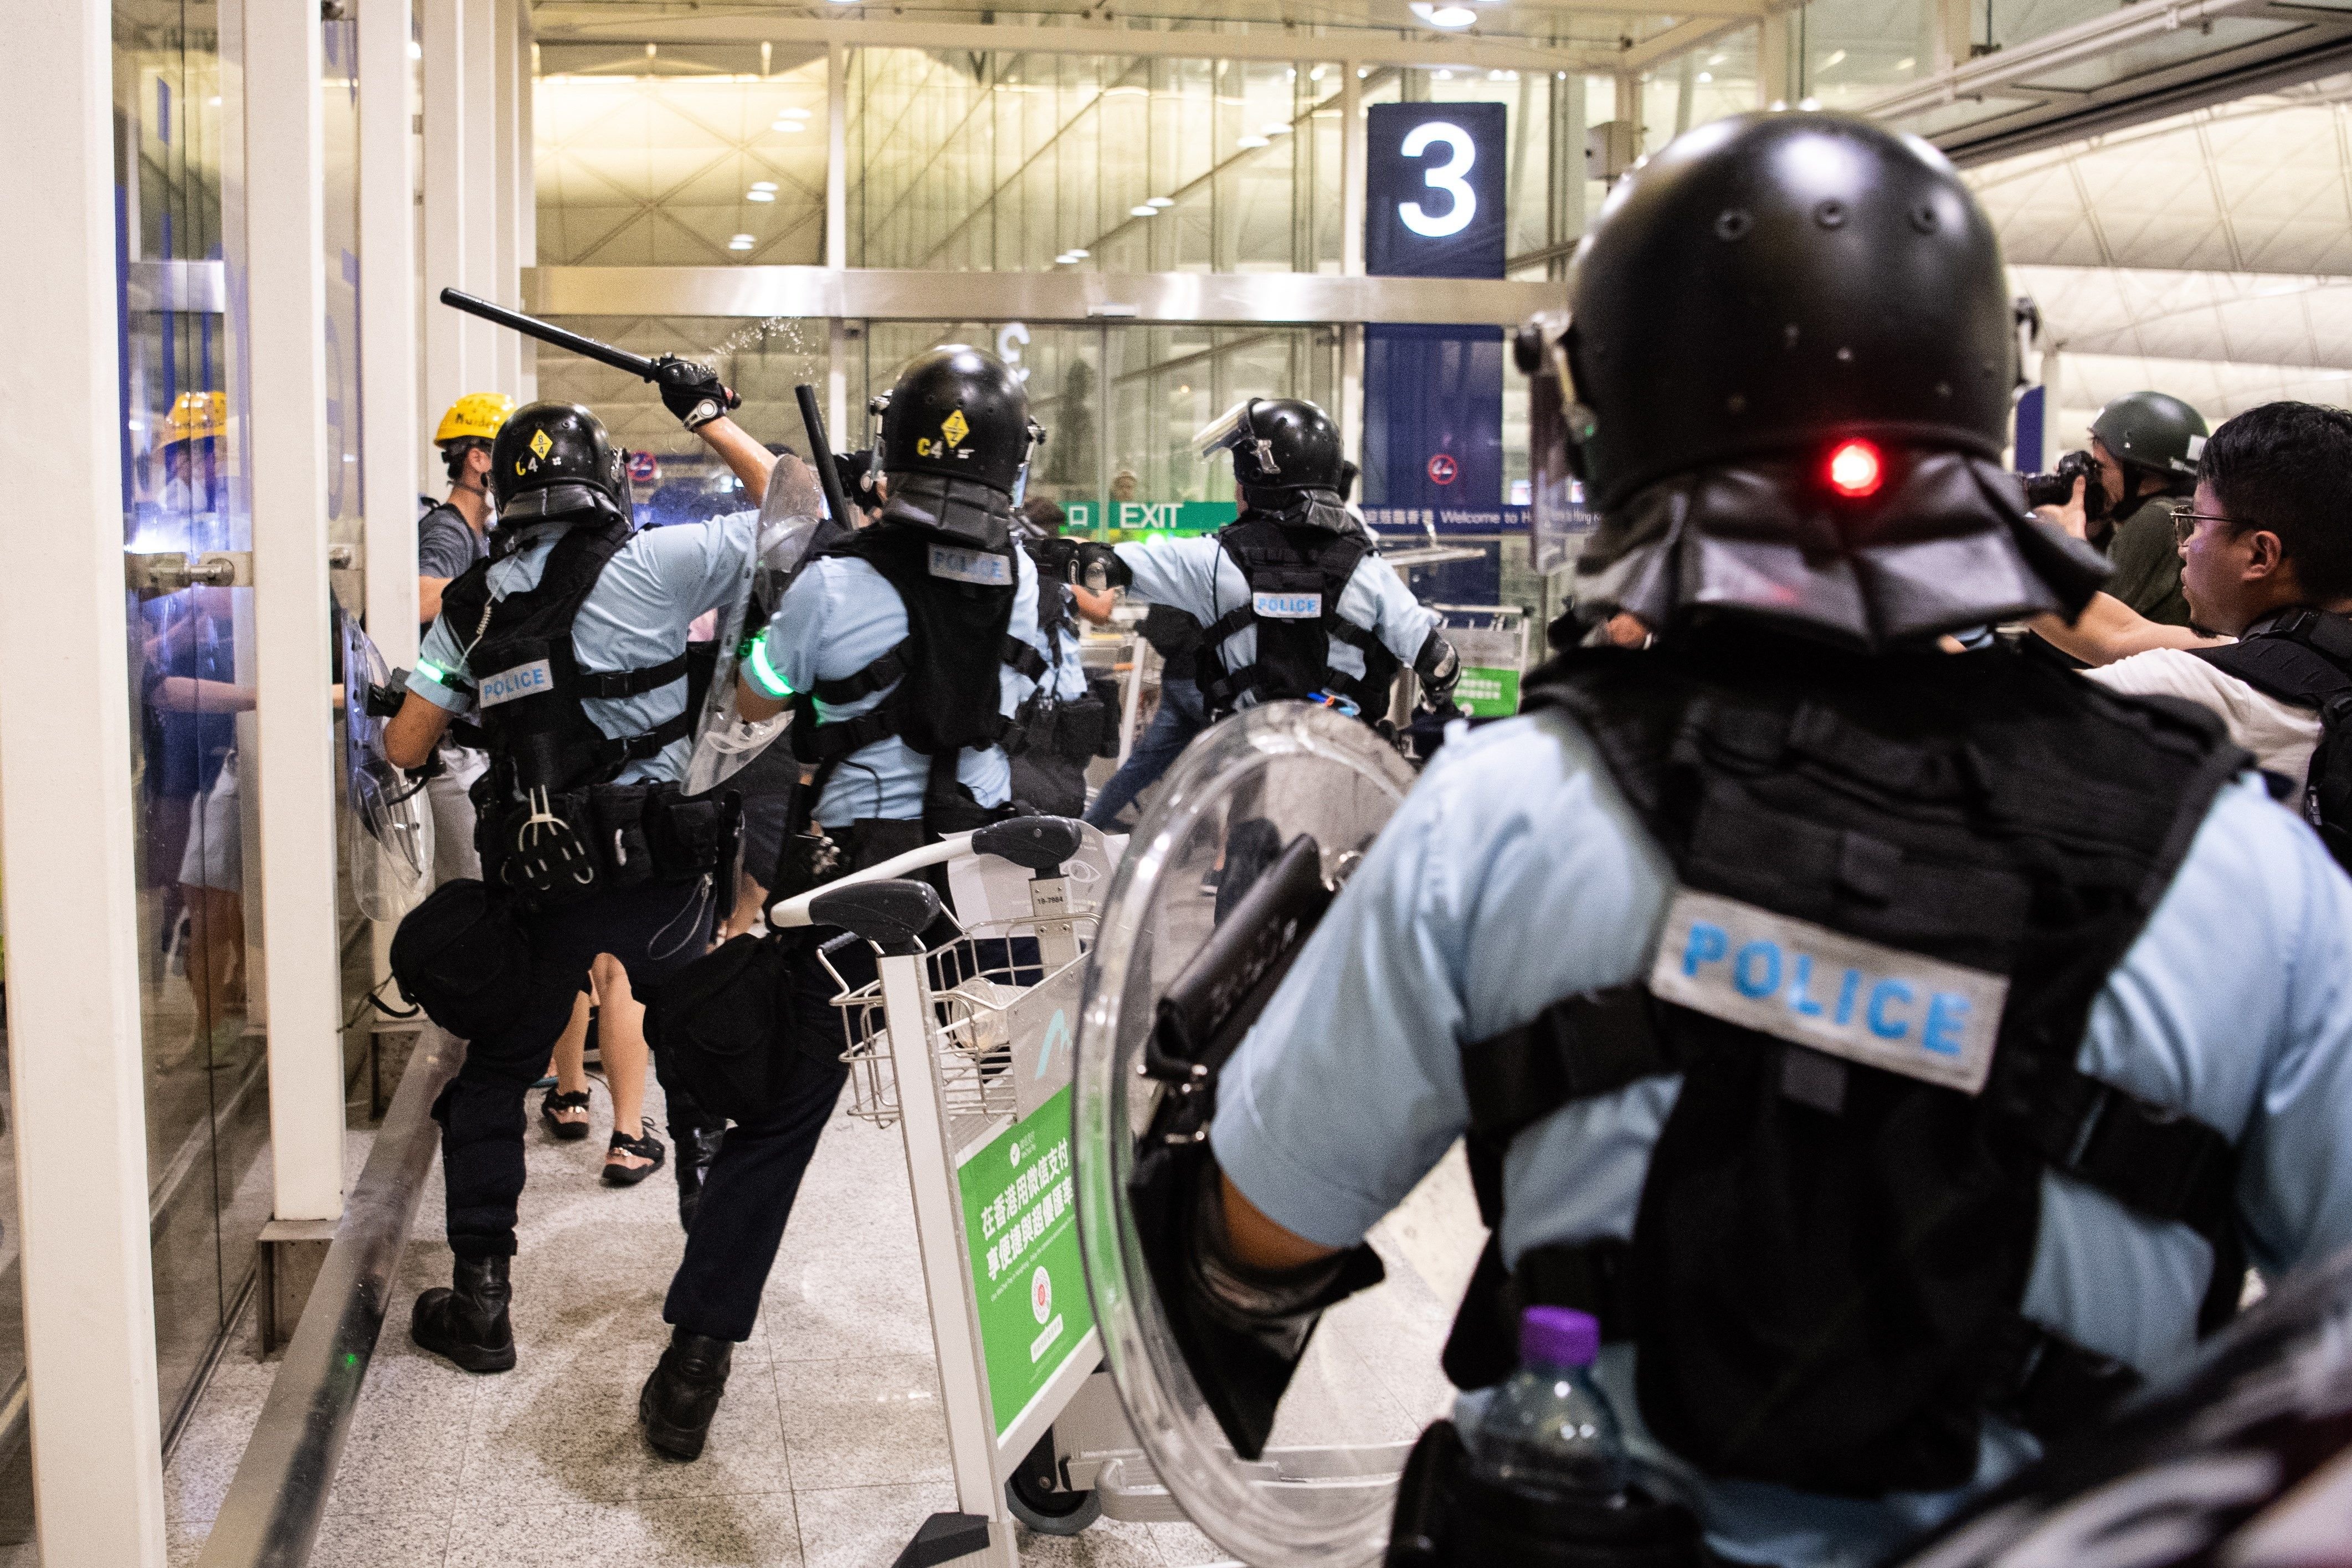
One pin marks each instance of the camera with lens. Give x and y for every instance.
(2056, 487)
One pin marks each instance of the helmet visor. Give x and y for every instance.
(1227, 431)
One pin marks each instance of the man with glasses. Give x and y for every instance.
(2266, 552)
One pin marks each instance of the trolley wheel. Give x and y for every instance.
(1051, 1512)
(1036, 1501)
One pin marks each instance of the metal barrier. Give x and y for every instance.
(271, 1515)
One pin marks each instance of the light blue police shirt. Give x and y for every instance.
(1515, 874)
(1196, 576)
(635, 617)
(839, 616)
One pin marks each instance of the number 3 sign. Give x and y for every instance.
(1433, 190)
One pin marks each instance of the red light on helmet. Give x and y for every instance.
(1855, 469)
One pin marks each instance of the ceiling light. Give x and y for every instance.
(1707, 76)
(1364, 71)
(1080, 255)
(1448, 16)
(1494, 76)
(1278, 128)
(741, 242)
(1717, 59)
(1906, 63)
(1143, 212)
(767, 185)
(1291, 74)
(1159, 201)
(759, 196)
(1809, 104)
(1065, 259)
(1316, 73)
(1836, 56)
(1250, 143)
(415, 50)
(1446, 76)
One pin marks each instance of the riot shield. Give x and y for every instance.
(793, 524)
(388, 830)
(1263, 817)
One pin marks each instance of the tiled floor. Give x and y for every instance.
(828, 1451)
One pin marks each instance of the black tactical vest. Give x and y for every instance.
(959, 602)
(1902, 881)
(527, 677)
(1296, 577)
(2304, 657)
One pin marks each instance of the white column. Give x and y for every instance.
(526, 185)
(446, 379)
(389, 439)
(285, 240)
(506, 276)
(837, 236)
(478, 103)
(68, 821)
(1772, 63)
(1354, 148)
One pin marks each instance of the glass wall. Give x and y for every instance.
(681, 171)
(1010, 161)
(184, 422)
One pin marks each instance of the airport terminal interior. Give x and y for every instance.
(241, 439)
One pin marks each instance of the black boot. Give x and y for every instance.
(697, 1148)
(683, 1394)
(467, 1324)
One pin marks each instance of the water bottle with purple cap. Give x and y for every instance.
(1548, 1432)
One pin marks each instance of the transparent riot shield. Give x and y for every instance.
(1231, 818)
(793, 524)
(388, 830)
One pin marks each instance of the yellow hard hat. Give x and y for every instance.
(195, 416)
(477, 414)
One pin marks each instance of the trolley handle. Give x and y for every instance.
(1025, 841)
(890, 914)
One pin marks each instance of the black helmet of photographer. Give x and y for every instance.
(962, 414)
(554, 460)
(1792, 353)
(2154, 432)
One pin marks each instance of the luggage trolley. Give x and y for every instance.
(963, 1041)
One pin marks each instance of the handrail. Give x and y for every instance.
(271, 1515)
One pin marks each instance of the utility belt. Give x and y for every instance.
(1447, 1515)
(558, 847)
(1081, 730)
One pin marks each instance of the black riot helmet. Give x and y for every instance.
(962, 414)
(1278, 443)
(554, 459)
(1787, 375)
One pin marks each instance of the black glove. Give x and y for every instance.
(1056, 557)
(692, 391)
(1092, 554)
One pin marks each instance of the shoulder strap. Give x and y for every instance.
(2307, 660)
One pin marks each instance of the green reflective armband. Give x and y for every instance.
(432, 672)
(761, 672)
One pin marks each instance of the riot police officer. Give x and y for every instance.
(1898, 1053)
(907, 651)
(1293, 594)
(568, 646)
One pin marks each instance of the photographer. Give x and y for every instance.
(2145, 446)
(2265, 555)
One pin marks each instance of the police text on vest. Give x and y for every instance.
(522, 680)
(1790, 978)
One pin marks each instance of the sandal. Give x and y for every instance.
(554, 1109)
(648, 1148)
